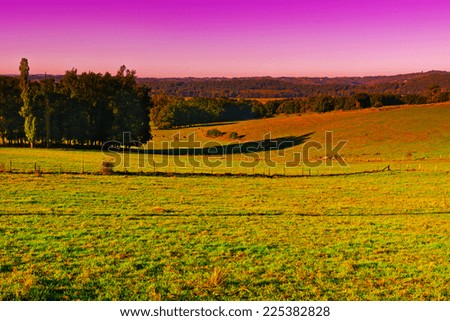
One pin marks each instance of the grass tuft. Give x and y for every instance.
(217, 278)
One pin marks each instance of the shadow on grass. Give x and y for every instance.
(235, 148)
(206, 125)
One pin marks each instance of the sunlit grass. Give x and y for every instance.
(69, 233)
(381, 193)
(225, 257)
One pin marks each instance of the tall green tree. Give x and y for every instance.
(27, 109)
(11, 123)
(130, 107)
(74, 118)
(47, 87)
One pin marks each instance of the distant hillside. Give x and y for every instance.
(386, 133)
(292, 87)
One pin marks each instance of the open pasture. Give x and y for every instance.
(68, 233)
(225, 257)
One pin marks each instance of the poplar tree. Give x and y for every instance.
(27, 111)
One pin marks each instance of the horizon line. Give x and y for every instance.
(241, 77)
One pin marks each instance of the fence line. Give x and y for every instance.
(58, 169)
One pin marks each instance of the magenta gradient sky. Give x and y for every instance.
(168, 38)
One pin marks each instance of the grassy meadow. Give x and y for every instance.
(69, 233)
(225, 257)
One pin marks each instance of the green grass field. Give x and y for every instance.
(225, 257)
(375, 236)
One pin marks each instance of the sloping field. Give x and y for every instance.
(385, 133)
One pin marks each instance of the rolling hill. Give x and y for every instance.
(396, 132)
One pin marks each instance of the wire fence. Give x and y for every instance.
(106, 167)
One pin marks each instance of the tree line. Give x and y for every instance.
(84, 109)
(172, 112)
(298, 87)
(326, 103)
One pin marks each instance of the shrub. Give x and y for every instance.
(234, 135)
(214, 133)
(107, 167)
(378, 104)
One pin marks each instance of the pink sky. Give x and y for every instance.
(168, 38)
